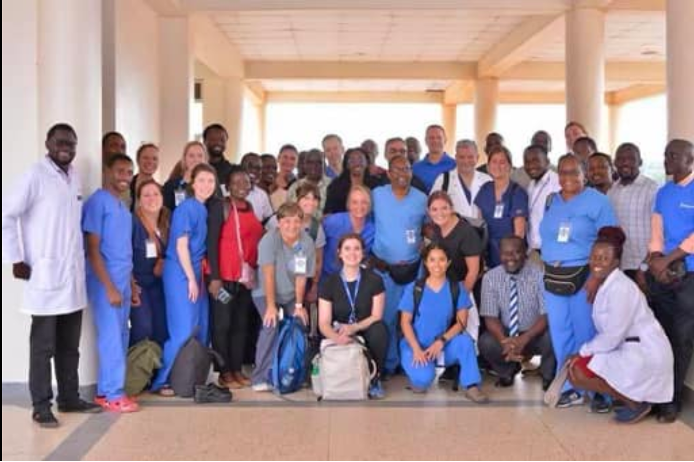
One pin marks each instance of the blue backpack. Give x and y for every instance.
(289, 368)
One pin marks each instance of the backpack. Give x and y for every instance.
(191, 366)
(342, 372)
(289, 365)
(143, 359)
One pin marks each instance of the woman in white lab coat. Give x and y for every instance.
(630, 357)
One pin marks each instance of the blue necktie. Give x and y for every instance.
(513, 319)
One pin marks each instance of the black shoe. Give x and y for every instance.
(80, 406)
(503, 382)
(601, 404)
(667, 413)
(211, 393)
(45, 418)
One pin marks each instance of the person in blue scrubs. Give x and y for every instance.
(187, 305)
(502, 203)
(399, 211)
(107, 225)
(357, 219)
(437, 161)
(568, 229)
(150, 234)
(436, 335)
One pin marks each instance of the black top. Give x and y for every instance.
(333, 290)
(169, 191)
(463, 241)
(338, 190)
(223, 168)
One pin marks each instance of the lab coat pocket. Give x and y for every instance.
(49, 274)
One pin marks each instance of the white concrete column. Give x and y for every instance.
(486, 103)
(449, 115)
(680, 71)
(233, 112)
(585, 65)
(614, 112)
(176, 88)
(261, 120)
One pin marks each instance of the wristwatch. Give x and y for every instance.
(442, 338)
(643, 267)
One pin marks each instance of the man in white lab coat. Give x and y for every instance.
(42, 239)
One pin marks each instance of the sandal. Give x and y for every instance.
(166, 391)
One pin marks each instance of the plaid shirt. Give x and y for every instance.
(496, 295)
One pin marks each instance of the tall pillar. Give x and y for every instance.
(261, 120)
(585, 65)
(448, 115)
(233, 111)
(176, 88)
(680, 69)
(486, 102)
(614, 111)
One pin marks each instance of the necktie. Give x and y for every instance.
(513, 319)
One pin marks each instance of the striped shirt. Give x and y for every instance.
(633, 205)
(496, 295)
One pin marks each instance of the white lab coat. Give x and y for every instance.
(41, 226)
(643, 370)
(461, 205)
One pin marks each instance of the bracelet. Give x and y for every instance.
(442, 337)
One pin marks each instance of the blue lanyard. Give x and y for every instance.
(352, 300)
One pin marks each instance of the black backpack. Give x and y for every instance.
(192, 366)
(419, 292)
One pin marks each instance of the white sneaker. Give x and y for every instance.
(261, 387)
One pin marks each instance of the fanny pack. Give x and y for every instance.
(401, 273)
(565, 280)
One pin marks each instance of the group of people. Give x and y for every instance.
(588, 263)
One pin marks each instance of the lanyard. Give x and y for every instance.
(352, 300)
(538, 191)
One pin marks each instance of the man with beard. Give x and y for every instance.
(543, 182)
(215, 138)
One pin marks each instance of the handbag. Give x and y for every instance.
(247, 278)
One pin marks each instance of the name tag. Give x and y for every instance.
(179, 196)
(150, 249)
(300, 263)
(499, 211)
(564, 232)
(410, 236)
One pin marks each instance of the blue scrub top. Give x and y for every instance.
(106, 216)
(393, 218)
(143, 267)
(189, 219)
(335, 226)
(675, 204)
(585, 214)
(435, 310)
(515, 202)
(428, 172)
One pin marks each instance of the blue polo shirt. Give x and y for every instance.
(584, 214)
(675, 203)
(396, 220)
(428, 171)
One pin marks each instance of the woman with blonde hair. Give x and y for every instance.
(176, 188)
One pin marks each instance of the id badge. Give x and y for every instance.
(179, 196)
(564, 232)
(150, 249)
(300, 263)
(499, 211)
(411, 236)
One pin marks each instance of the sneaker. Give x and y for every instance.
(601, 404)
(45, 418)
(376, 390)
(122, 405)
(626, 415)
(211, 393)
(80, 406)
(476, 395)
(570, 398)
(667, 413)
(261, 387)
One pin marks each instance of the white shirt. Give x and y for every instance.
(538, 190)
(461, 205)
(640, 370)
(41, 227)
(261, 203)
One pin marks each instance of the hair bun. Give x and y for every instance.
(612, 235)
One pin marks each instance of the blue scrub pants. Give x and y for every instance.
(459, 350)
(390, 318)
(149, 319)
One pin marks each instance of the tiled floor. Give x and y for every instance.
(439, 425)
